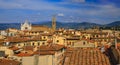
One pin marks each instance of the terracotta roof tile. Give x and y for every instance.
(44, 52)
(27, 48)
(1, 40)
(86, 56)
(22, 39)
(8, 62)
(14, 48)
(22, 54)
(51, 47)
(15, 39)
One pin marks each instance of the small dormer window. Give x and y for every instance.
(33, 44)
(83, 43)
(44, 37)
(18, 44)
(57, 41)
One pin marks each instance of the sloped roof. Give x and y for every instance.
(51, 47)
(8, 62)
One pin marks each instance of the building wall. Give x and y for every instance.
(2, 37)
(59, 56)
(31, 43)
(51, 59)
(43, 59)
(28, 60)
(4, 33)
(7, 51)
(46, 60)
(35, 60)
(59, 40)
(83, 43)
(70, 43)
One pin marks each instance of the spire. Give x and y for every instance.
(26, 21)
(54, 23)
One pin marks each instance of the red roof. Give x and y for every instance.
(14, 48)
(44, 52)
(51, 47)
(85, 56)
(8, 62)
(29, 48)
(24, 54)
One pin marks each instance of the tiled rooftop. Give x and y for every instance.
(24, 54)
(22, 39)
(14, 48)
(8, 62)
(1, 40)
(44, 52)
(85, 56)
(29, 48)
(51, 47)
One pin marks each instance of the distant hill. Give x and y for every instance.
(59, 24)
(116, 23)
(72, 25)
(4, 26)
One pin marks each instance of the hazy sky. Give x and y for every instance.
(96, 11)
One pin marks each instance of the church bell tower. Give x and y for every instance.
(53, 23)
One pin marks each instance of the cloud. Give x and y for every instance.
(28, 4)
(60, 14)
(72, 10)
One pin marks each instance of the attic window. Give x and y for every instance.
(57, 41)
(83, 43)
(18, 44)
(43, 43)
(97, 36)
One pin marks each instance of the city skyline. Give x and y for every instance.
(94, 11)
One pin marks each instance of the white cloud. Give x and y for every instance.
(60, 14)
(28, 4)
(76, 1)
(97, 12)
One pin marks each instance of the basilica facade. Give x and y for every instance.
(37, 29)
